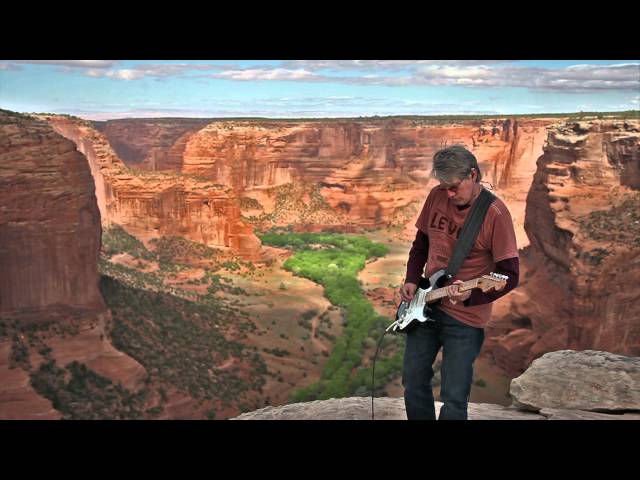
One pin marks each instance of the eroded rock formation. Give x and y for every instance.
(588, 380)
(358, 173)
(346, 174)
(51, 309)
(155, 144)
(388, 408)
(149, 204)
(49, 224)
(366, 171)
(581, 271)
(385, 408)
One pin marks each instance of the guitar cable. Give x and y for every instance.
(373, 372)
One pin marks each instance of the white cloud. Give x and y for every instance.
(122, 74)
(161, 70)
(377, 64)
(125, 74)
(72, 63)
(9, 66)
(579, 78)
(92, 72)
(282, 74)
(576, 78)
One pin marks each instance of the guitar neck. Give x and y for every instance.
(442, 292)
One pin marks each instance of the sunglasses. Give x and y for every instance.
(454, 188)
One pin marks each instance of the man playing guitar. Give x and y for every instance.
(457, 322)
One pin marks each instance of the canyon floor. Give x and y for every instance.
(283, 318)
(287, 319)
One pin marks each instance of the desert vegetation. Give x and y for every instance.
(620, 224)
(172, 255)
(294, 201)
(86, 395)
(172, 321)
(333, 260)
(117, 240)
(181, 342)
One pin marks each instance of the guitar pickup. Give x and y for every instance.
(426, 311)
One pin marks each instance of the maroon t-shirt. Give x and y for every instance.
(441, 221)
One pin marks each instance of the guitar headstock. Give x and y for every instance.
(492, 281)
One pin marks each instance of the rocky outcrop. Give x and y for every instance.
(311, 174)
(150, 205)
(155, 144)
(49, 225)
(103, 162)
(580, 273)
(588, 380)
(18, 400)
(359, 408)
(367, 171)
(563, 385)
(51, 309)
(357, 173)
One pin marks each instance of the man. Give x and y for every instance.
(460, 317)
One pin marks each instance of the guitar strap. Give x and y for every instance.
(469, 232)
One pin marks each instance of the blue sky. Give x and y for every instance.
(104, 89)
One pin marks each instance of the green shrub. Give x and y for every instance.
(117, 240)
(334, 260)
(180, 340)
(171, 249)
(231, 265)
(87, 395)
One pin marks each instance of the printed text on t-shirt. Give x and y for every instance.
(440, 222)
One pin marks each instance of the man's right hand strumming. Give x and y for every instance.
(407, 291)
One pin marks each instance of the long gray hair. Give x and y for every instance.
(454, 162)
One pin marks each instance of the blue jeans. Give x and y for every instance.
(461, 345)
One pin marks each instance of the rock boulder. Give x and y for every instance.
(587, 380)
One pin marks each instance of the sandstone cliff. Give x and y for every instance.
(150, 144)
(366, 172)
(313, 174)
(150, 205)
(49, 224)
(581, 271)
(52, 314)
(224, 178)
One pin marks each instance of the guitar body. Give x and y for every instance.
(411, 314)
(415, 312)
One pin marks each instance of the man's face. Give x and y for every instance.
(460, 191)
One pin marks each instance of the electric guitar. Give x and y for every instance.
(432, 289)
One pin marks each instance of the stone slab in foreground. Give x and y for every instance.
(562, 385)
(359, 408)
(586, 380)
